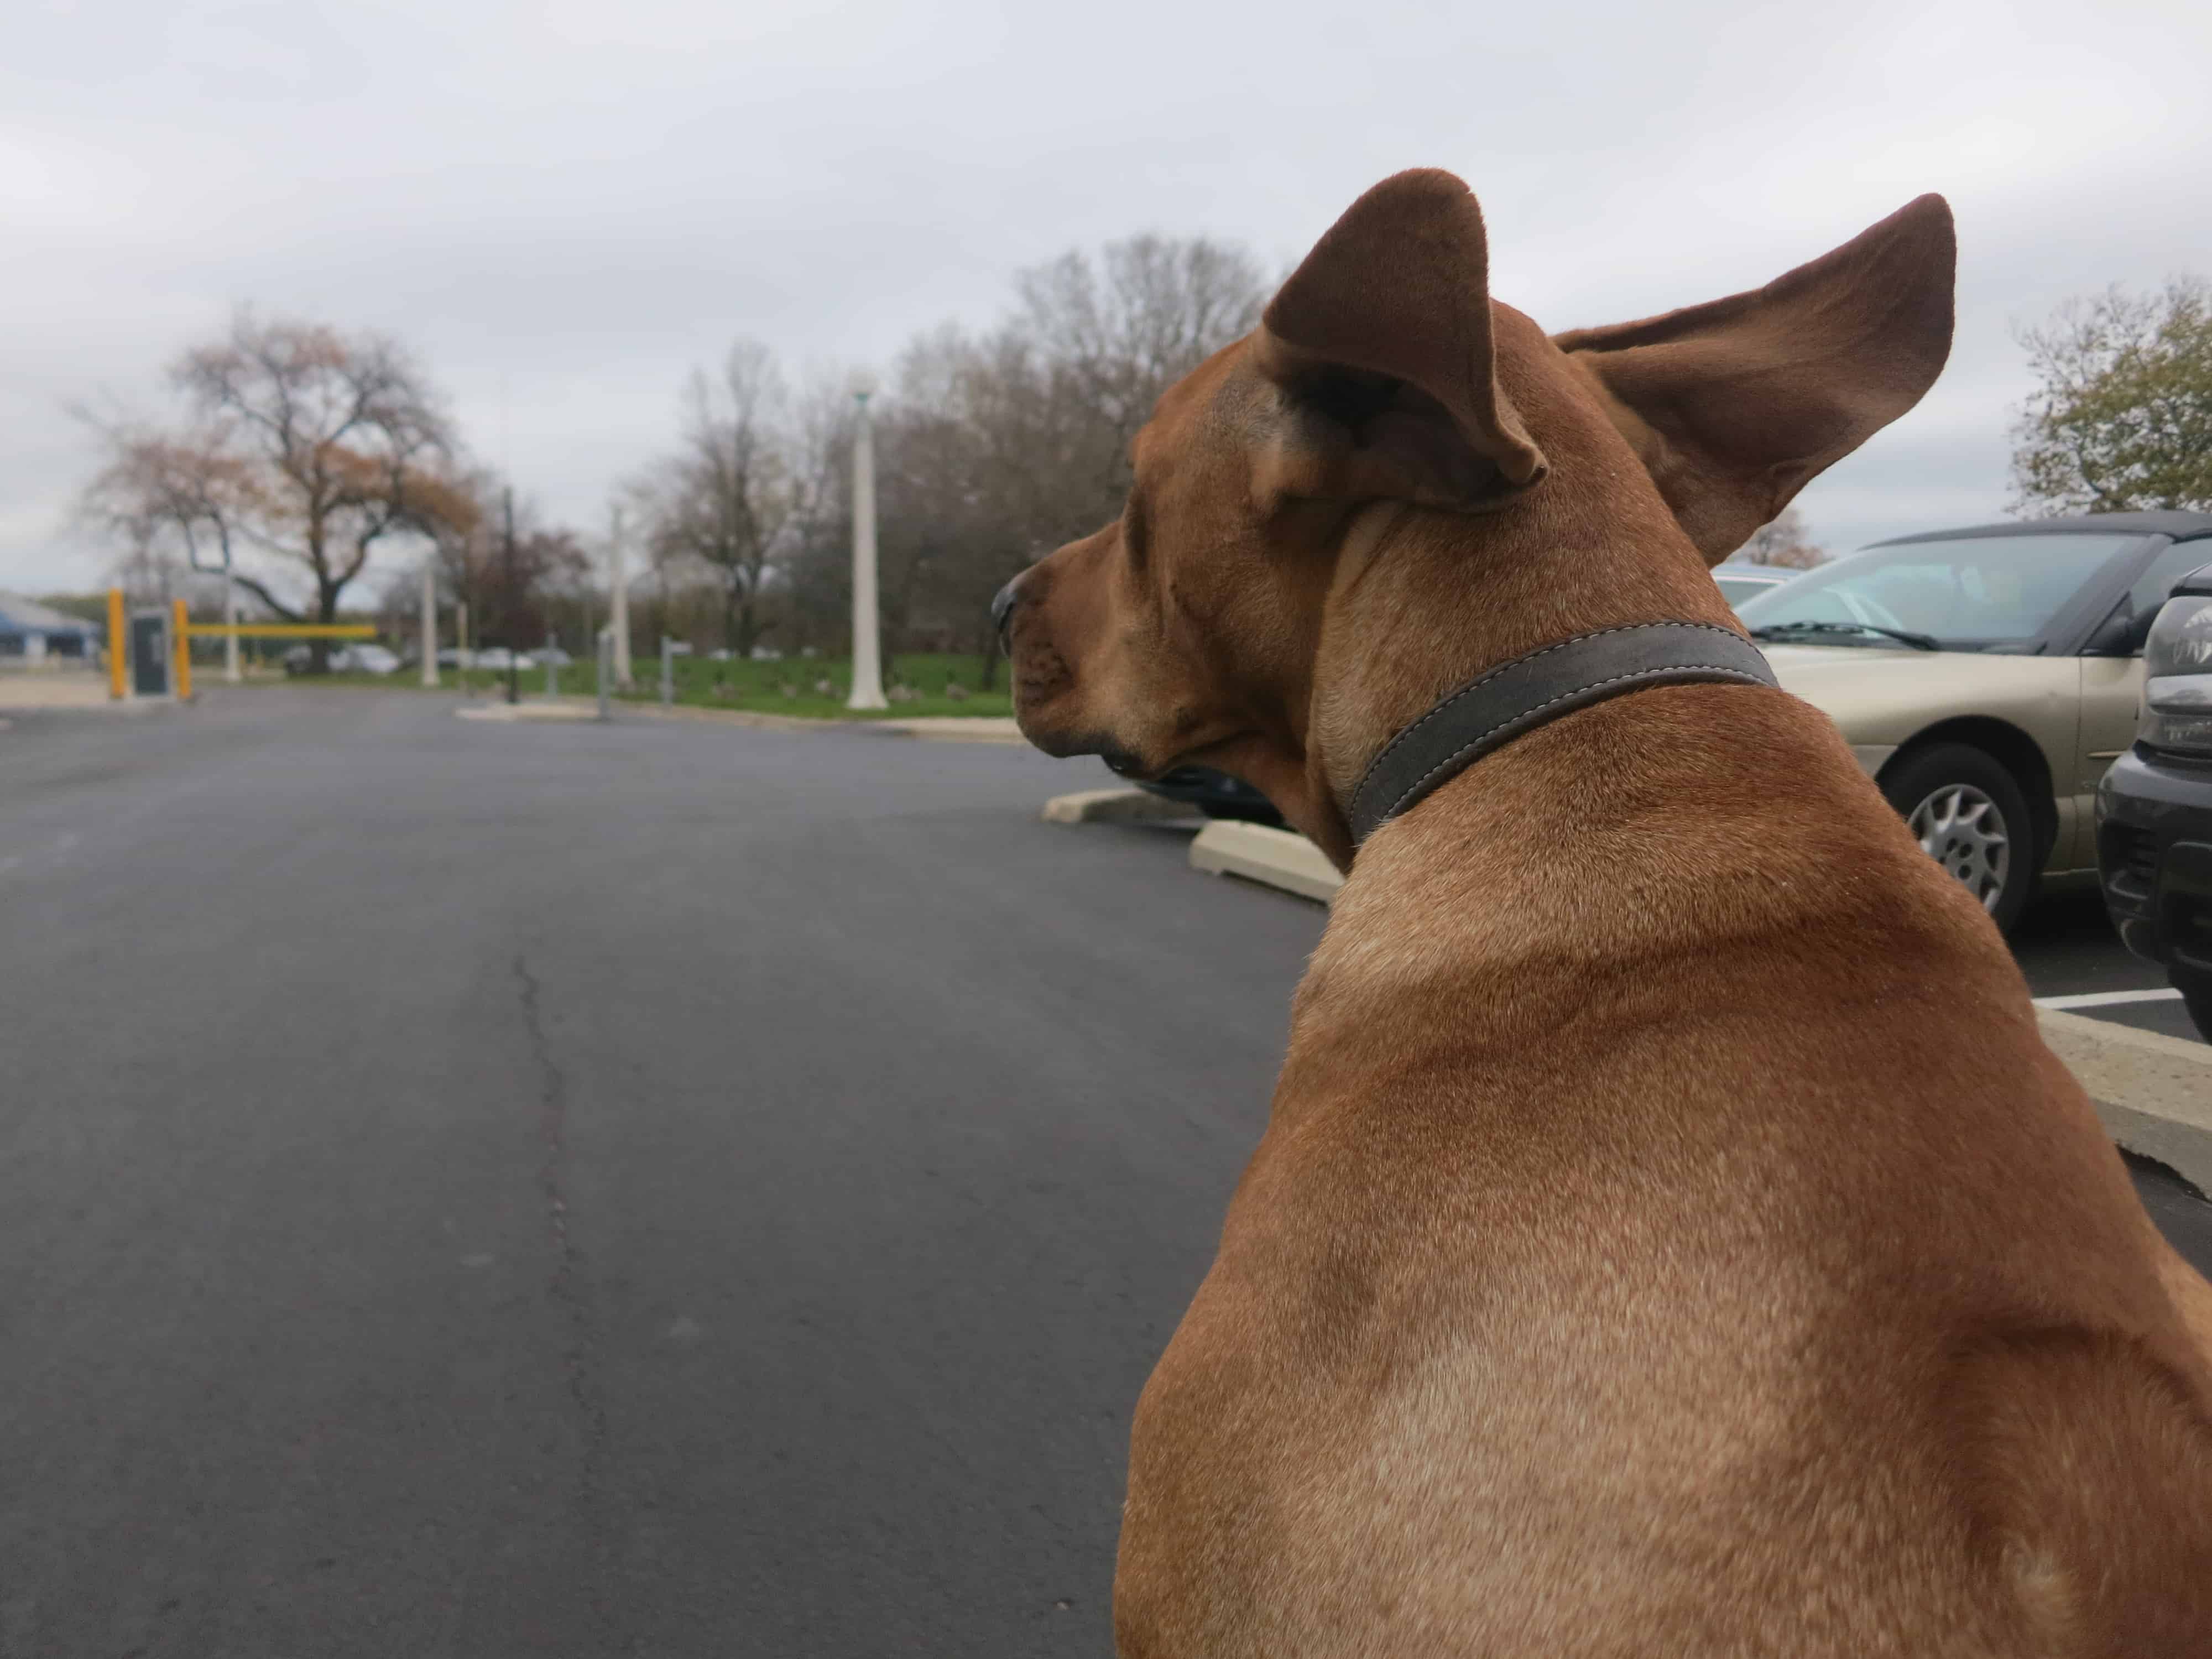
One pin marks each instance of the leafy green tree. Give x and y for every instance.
(2122, 420)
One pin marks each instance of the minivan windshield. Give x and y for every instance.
(1973, 594)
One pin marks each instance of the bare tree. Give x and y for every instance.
(164, 493)
(305, 449)
(534, 582)
(466, 536)
(1783, 542)
(147, 571)
(513, 589)
(1124, 326)
(991, 448)
(816, 568)
(728, 495)
(338, 441)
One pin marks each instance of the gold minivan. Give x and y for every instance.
(1986, 678)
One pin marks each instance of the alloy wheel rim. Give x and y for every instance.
(1960, 828)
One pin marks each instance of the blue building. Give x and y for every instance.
(31, 632)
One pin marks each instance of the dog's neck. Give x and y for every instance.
(1629, 871)
(1457, 595)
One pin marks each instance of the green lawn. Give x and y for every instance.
(756, 686)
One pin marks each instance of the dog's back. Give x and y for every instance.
(1615, 1279)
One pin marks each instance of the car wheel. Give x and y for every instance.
(1968, 811)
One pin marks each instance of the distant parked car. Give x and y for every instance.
(1739, 582)
(2155, 806)
(553, 654)
(365, 659)
(498, 658)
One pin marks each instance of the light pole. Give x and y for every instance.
(618, 606)
(867, 669)
(229, 615)
(513, 608)
(430, 619)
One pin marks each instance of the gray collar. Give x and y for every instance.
(1497, 707)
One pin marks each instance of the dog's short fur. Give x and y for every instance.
(1671, 1236)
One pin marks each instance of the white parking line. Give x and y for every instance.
(2108, 999)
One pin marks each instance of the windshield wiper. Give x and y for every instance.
(1783, 630)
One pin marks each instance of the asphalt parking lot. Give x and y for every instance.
(656, 1189)
(2067, 950)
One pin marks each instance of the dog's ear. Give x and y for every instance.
(1734, 406)
(1380, 345)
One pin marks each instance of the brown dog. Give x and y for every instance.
(1671, 1236)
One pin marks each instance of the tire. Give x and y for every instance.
(2196, 997)
(1968, 811)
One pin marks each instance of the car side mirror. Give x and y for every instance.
(2121, 634)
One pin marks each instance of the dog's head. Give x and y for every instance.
(1396, 480)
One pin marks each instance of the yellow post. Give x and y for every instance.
(181, 632)
(119, 645)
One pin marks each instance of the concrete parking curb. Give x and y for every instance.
(1279, 858)
(744, 717)
(527, 711)
(952, 728)
(22, 691)
(1113, 806)
(2153, 1091)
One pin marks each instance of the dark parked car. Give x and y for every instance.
(1214, 793)
(2155, 806)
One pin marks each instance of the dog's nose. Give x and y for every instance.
(1002, 605)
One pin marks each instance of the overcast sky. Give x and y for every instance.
(563, 205)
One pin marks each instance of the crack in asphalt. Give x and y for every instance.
(570, 1287)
